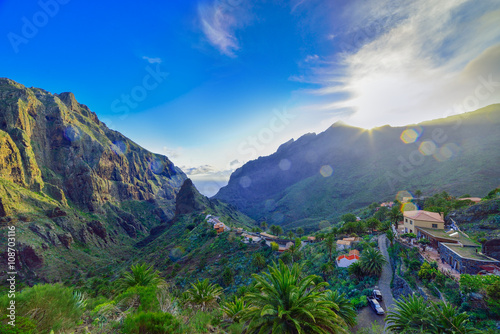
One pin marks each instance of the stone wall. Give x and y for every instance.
(464, 265)
(401, 288)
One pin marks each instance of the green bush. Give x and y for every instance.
(151, 323)
(146, 295)
(23, 326)
(50, 307)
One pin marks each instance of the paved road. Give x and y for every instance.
(386, 277)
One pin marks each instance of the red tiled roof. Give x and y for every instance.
(348, 257)
(424, 215)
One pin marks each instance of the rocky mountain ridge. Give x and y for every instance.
(321, 176)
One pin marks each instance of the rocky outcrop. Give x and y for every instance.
(83, 161)
(481, 217)
(401, 288)
(189, 199)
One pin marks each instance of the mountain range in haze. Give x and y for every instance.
(321, 176)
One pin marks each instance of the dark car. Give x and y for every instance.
(376, 306)
(377, 295)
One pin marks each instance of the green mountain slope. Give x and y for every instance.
(345, 167)
(81, 196)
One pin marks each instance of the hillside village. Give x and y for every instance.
(453, 250)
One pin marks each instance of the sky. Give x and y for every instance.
(213, 84)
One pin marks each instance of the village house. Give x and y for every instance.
(421, 218)
(285, 246)
(311, 239)
(464, 258)
(221, 227)
(251, 238)
(347, 243)
(344, 261)
(267, 236)
(341, 245)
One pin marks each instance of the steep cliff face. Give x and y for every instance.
(79, 194)
(52, 143)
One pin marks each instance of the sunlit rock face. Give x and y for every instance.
(321, 176)
(52, 143)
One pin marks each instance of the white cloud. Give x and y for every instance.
(152, 60)
(424, 60)
(219, 22)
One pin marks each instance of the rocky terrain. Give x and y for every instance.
(79, 194)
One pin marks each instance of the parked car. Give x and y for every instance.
(374, 304)
(377, 295)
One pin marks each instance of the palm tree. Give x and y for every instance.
(446, 319)
(203, 295)
(413, 314)
(409, 314)
(259, 261)
(140, 275)
(372, 261)
(234, 309)
(395, 216)
(390, 236)
(291, 235)
(286, 303)
(326, 268)
(330, 244)
(418, 193)
(276, 230)
(355, 270)
(373, 223)
(345, 309)
(263, 225)
(300, 231)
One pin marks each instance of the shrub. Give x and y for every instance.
(50, 306)
(23, 326)
(145, 296)
(151, 323)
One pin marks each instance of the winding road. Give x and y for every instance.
(386, 277)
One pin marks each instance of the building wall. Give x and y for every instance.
(462, 265)
(410, 224)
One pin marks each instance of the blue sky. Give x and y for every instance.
(213, 84)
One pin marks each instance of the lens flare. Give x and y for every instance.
(409, 207)
(326, 170)
(119, 147)
(176, 253)
(404, 196)
(72, 133)
(156, 165)
(285, 164)
(245, 182)
(409, 136)
(427, 147)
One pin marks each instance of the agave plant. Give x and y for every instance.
(344, 309)
(372, 261)
(203, 295)
(79, 299)
(141, 275)
(287, 303)
(234, 309)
